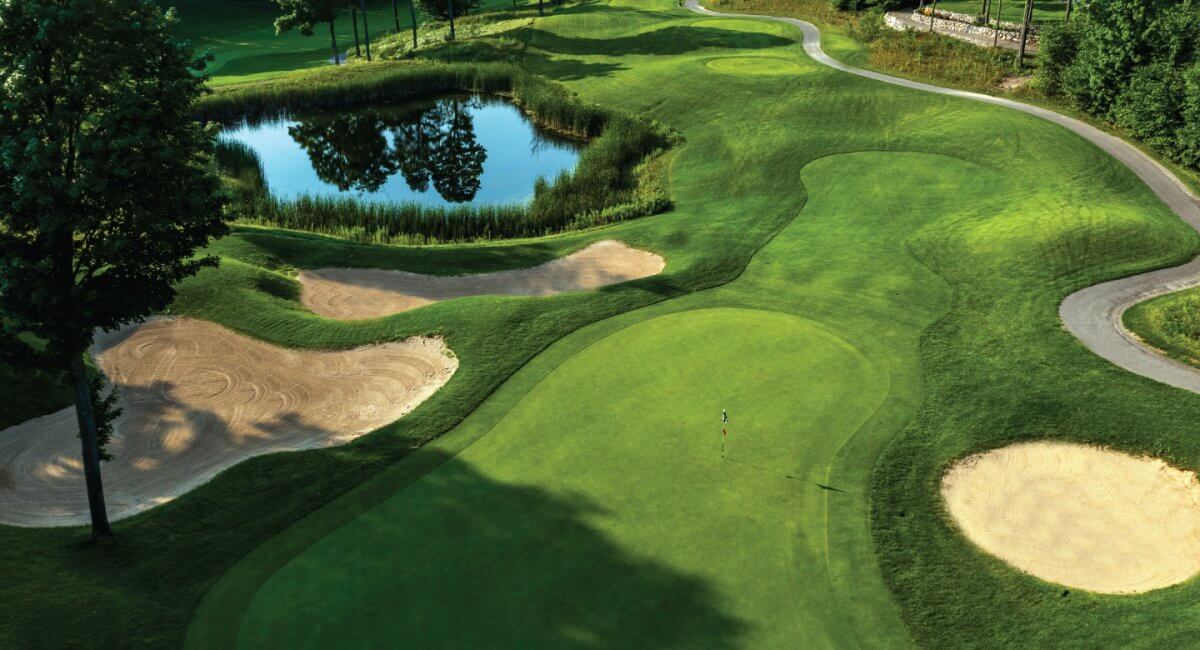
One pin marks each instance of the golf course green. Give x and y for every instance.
(865, 277)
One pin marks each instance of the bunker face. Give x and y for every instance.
(753, 65)
(370, 293)
(1080, 516)
(199, 398)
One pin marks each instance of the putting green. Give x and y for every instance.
(753, 65)
(612, 517)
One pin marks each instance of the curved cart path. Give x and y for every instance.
(1093, 314)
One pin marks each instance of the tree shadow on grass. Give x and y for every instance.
(568, 69)
(459, 559)
(663, 42)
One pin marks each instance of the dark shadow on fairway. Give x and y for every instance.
(667, 41)
(460, 560)
(568, 69)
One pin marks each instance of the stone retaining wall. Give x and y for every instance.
(950, 27)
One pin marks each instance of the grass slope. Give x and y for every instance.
(828, 231)
(1169, 323)
(241, 35)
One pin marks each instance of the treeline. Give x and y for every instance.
(605, 185)
(1135, 63)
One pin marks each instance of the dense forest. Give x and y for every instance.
(1135, 63)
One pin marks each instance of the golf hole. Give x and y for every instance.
(1080, 516)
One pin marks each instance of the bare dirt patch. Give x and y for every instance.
(199, 398)
(1015, 81)
(349, 294)
(1080, 516)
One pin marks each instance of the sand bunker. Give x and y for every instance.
(350, 294)
(1080, 516)
(199, 398)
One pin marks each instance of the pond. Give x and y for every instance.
(447, 151)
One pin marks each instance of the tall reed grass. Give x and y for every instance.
(604, 186)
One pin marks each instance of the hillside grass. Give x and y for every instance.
(1170, 323)
(241, 36)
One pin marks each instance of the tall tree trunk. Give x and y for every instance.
(412, 15)
(541, 11)
(354, 21)
(362, 4)
(337, 56)
(90, 446)
(1024, 34)
(1069, 6)
(396, 15)
(451, 4)
(932, 14)
(996, 27)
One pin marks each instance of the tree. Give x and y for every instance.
(412, 15)
(354, 21)
(362, 5)
(445, 9)
(303, 15)
(106, 188)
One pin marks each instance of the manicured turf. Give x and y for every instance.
(610, 518)
(867, 277)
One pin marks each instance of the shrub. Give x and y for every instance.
(1056, 49)
(1132, 62)
(1150, 106)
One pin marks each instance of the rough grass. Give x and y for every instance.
(1170, 323)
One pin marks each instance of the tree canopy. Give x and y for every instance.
(440, 9)
(1135, 63)
(106, 188)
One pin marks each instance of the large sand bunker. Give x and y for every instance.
(199, 398)
(1080, 516)
(350, 294)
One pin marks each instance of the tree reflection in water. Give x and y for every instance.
(432, 145)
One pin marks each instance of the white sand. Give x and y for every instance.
(199, 398)
(349, 294)
(1080, 516)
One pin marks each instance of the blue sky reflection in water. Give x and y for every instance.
(448, 151)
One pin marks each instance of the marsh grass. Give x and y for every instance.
(603, 188)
